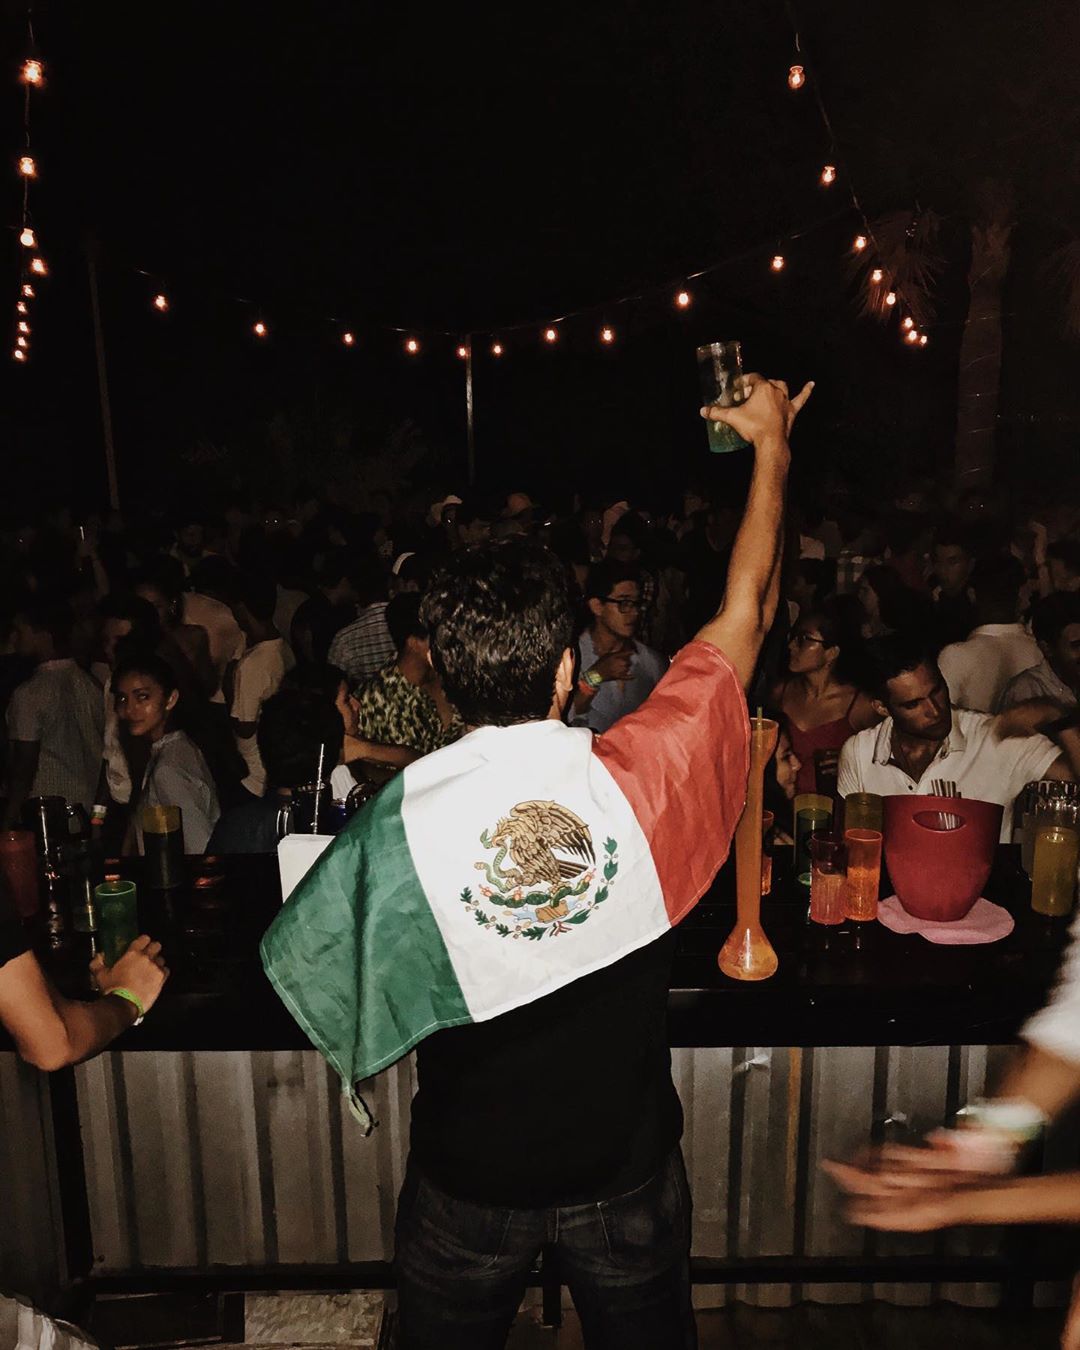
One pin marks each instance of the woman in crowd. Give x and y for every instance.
(162, 586)
(148, 705)
(819, 703)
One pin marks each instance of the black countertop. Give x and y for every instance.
(858, 984)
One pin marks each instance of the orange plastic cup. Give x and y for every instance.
(863, 874)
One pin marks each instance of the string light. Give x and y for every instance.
(20, 307)
(348, 339)
(890, 299)
(27, 166)
(496, 349)
(24, 327)
(923, 339)
(21, 342)
(911, 335)
(33, 72)
(607, 334)
(796, 77)
(161, 302)
(877, 275)
(412, 346)
(860, 243)
(259, 329)
(38, 267)
(27, 238)
(551, 335)
(463, 351)
(28, 290)
(907, 322)
(682, 300)
(778, 262)
(19, 354)
(828, 175)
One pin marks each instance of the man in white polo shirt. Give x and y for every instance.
(978, 669)
(924, 738)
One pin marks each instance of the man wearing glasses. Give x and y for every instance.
(616, 674)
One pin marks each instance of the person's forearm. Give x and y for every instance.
(1041, 1078)
(78, 1031)
(400, 756)
(1050, 1199)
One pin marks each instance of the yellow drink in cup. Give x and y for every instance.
(1053, 877)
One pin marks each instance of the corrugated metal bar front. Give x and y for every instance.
(31, 1259)
(252, 1158)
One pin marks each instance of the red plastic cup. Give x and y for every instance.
(19, 868)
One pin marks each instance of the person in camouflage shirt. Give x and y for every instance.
(403, 704)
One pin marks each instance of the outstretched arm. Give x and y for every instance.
(753, 586)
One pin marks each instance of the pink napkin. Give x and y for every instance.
(983, 922)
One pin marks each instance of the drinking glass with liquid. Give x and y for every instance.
(863, 874)
(1053, 876)
(721, 372)
(828, 883)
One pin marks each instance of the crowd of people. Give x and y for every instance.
(203, 661)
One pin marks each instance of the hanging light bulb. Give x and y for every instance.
(33, 72)
(20, 307)
(28, 290)
(259, 329)
(38, 267)
(463, 352)
(796, 77)
(778, 262)
(923, 339)
(496, 349)
(24, 327)
(877, 275)
(682, 300)
(348, 339)
(27, 238)
(607, 334)
(551, 335)
(161, 302)
(19, 354)
(27, 166)
(907, 322)
(828, 175)
(911, 335)
(890, 299)
(860, 243)
(20, 341)
(412, 346)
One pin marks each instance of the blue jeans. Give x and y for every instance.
(462, 1268)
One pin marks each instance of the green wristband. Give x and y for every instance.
(131, 998)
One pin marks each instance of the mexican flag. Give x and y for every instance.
(499, 869)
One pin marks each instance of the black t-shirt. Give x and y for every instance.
(566, 1100)
(12, 937)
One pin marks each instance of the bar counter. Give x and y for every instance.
(857, 984)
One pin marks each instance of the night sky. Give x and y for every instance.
(342, 165)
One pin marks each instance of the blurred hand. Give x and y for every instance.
(1027, 718)
(1039, 540)
(615, 665)
(766, 415)
(877, 1201)
(141, 969)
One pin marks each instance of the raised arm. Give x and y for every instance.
(753, 586)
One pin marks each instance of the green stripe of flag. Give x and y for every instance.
(365, 981)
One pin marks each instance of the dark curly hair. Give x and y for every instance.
(500, 619)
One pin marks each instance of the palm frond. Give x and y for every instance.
(907, 251)
(1063, 267)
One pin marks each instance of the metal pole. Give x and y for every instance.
(103, 378)
(469, 411)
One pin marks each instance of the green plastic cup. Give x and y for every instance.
(117, 918)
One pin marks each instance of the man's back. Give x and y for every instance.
(60, 707)
(364, 646)
(978, 670)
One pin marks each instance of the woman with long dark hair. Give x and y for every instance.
(150, 709)
(819, 699)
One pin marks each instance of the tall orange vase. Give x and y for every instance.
(748, 954)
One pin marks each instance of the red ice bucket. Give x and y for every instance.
(939, 852)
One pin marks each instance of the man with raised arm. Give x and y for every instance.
(506, 905)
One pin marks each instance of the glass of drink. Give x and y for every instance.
(827, 882)
(721, 372)
(116, 903)
(1054, 857)
(19, 865)
(767, 821)
(163, 845)
(863, 874)
(864, 811)
(812, 812)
